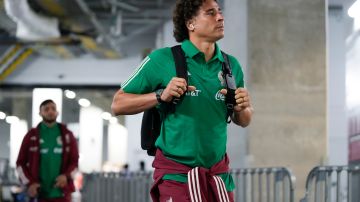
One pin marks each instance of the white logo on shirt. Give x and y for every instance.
(57, 150)
(44, 151)
(219, 96)
(194, 93)
(58, 140)
(221, 78)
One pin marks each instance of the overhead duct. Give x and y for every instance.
(30, 25)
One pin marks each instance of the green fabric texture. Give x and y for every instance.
(50, 160)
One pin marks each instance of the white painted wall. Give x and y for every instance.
(134, 153)
(90, 139)
(336, 105)
(235, 43)
(17, 134)
(117, 144)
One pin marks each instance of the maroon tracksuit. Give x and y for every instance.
(28, 162)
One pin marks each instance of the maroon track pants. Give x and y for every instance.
(173, 191)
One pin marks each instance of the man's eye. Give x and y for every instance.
(210, 13)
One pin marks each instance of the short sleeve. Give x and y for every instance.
(139, 82)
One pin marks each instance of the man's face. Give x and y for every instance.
(48, 112)
(209, 22)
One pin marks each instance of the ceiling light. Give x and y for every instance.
(12, 119)
(84, 102)
(70, 94)
(113, 120)
(354, 10)
(106, 115)
(2, 115)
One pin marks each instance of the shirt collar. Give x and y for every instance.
(191, 50)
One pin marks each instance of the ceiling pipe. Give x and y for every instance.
(30, 25)
(124, 6)
(97, 24)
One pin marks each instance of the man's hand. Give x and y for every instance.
(61, 181)
(242, 98)
(175, 88)
(243, 110)
(33, 190)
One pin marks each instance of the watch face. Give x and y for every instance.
(158, 95)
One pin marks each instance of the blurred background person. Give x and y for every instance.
(48, 158)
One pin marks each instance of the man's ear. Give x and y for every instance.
(190, 25)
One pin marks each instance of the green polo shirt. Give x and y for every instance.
(196, 134)
(50, 160)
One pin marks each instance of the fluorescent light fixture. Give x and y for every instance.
(84, 102)
(2, 115)
(354, 10)
(12, 119)
(106, 115)
(70, 94)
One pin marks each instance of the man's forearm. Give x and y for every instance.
(126, 103)
(243, 117)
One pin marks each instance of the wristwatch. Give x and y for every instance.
(158, 94)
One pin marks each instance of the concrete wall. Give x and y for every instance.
(287, 64)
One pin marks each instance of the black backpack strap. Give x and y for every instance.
(181, 67)
(230, 85)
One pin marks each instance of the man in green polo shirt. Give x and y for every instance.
(192, 141)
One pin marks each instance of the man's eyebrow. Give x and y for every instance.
(212, 9)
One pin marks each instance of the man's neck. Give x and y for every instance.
(49, 124)
(208, 48)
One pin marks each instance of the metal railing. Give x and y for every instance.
(252, 185)
(264, 185)
(113, 187)
(333, 184)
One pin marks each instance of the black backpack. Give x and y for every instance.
(151, 121)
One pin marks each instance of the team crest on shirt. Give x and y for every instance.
(58, 140)
(221, 78)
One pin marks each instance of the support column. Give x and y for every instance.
(287, 64)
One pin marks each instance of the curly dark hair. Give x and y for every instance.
(183, 12)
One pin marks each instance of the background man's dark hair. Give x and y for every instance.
(183, 12)
(45, 102)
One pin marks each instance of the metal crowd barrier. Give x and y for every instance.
(117, 187)
(264, 185)
(333, 183)
(252, 185)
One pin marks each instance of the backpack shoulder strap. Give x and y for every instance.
(180, 64)
(230, 85)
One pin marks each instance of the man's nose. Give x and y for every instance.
(220, 17)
